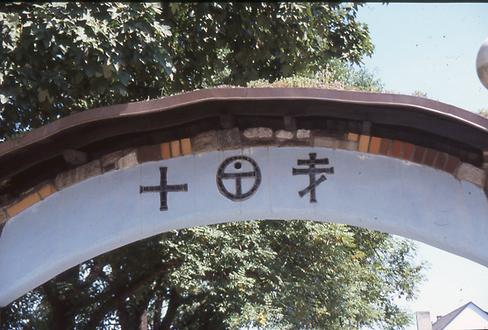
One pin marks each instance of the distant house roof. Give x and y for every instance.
(444, 321)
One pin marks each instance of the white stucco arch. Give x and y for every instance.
(108, 211)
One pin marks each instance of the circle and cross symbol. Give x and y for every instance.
(238, 176)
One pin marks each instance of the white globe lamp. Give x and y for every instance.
(482, 63)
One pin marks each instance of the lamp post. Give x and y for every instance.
(482, 63)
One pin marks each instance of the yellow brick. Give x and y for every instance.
(374, 145)
(363, 143)
(175, 148)
(24, 203)
(186, 146)
(352, 137)
(46, 190)
(165, 151)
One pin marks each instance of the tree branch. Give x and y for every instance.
(111, 303)
(174, 303)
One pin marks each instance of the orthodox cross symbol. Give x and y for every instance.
(164, 188)
(312, 171)
(238, 176)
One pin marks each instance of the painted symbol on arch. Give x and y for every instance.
(164, 188)
(238, 176)
(312, 171)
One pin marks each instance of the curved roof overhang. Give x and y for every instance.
(38, 155)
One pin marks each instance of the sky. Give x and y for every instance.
(429, 48)
(432, 48)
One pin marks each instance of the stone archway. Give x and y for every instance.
(119, 174)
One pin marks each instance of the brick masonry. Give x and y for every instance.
(229, 138)
(374, 145)
(46, 190)
(303, 134)
(468, 172)
(78, 174)
(23, 203)
(148, 153)
(283, 135)
(363, 143)
(109, 161)
(233, 138)
(205, 141)
(127, 161)
(258, 134)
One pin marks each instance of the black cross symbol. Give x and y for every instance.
(164, 188)
(312, 171)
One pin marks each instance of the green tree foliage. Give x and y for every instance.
(66, 57)
(63, 57)
(273, 274)
(59, 58)
(336, 75)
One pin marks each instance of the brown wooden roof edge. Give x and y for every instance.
(436, 108)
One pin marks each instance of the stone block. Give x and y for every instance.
(109, 161)
(205, 141)
(229, 138)
(258, 134)
(326, 142)
(23, 203)
(46, 190)
(303, 134)
(127, 161)
(284, 135)
(78, 174)
(471, 173)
